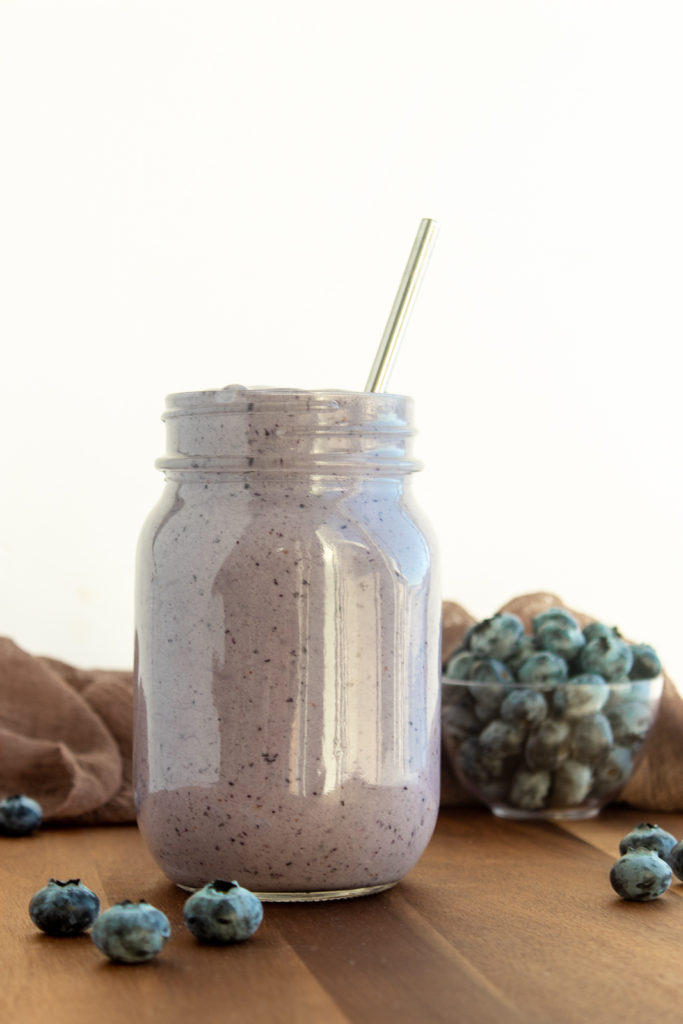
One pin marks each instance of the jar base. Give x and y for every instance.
(310, 897)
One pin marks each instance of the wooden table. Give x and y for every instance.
(499, 922)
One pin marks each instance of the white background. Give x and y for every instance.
(199, 193)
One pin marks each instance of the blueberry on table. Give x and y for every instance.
(131, 933)
(497, 637)
(64, 908)
(223, 912)
(640, 874)
(649, 837)
(608, 656)
(675, 860)
(19, 815)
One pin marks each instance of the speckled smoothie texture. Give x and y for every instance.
(287, 645)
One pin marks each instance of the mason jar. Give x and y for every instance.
(287, 646)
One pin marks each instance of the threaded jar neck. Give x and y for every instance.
(238, 430)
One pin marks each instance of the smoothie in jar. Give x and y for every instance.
(287, 646)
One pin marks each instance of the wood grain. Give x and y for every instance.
(500, 922)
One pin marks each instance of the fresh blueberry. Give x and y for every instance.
(19, 815)
(543, 667)
(595, 629)
(490, 670)
(555, 617)
(581, 695)
(613, 772)
(529, 789)
(131, 933)
(675, 860)
(650, 837)
(460, 665)
(458, 719)
(478, 766)
(572, 783)
(502, 739)
(646, 663)
(563, 640)
(608, 656)
(223, 912)
(548, 745)
(640, 874)
(527, 647)
(64, 908)
(496, 637)
(524, 707)
(630, 721)
(592, 738)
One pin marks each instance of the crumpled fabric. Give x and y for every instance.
(656, 784)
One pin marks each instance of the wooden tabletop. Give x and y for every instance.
(499, 922)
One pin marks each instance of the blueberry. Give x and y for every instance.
(555, 617)
(524, 706)
(64, 908)
(527, 647)
(477, 765)
(572, 783)
(223, 912)
(497, 637)
(608, 656)
(592, 738)
(646, 663)
(675, 860)
(595, 629)
(543, 667)
(649, 837)
(458, 720)
(501, 739)
(490, 670)
(548, 745)
(19, 815)
(613, 772)
(630, 721)
(563, 640)
(640, 874)
(529, 789)
(131, 933)
(581, 695)
(460, 665)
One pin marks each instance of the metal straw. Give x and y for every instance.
(402, 307)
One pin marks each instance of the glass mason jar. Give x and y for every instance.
(287, 646)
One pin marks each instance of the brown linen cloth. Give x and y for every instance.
(66, 733)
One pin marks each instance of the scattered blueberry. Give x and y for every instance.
(19, 815)
(650, 837)
(64, 908)
(131, 933)
(223, 912)
(640, 874)
(675, 860)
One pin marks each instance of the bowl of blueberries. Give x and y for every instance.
(547, 724)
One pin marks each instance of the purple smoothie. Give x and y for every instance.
(287, 646)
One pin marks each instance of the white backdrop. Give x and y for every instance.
(198, 192)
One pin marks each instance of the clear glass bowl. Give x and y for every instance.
(545, 751)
